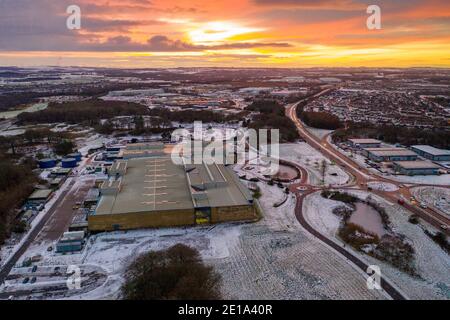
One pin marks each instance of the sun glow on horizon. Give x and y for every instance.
(217, 32)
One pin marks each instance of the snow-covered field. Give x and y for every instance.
(432, 262)
(306, 156)
(270, 259)
(436, 197)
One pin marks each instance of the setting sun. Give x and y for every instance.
(217, 32)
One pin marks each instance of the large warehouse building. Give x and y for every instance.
(365, 143)
(413, 168)
(152, 191)
(390, 154)
(432, 153)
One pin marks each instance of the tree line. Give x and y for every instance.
(17, 182)
(271, 115)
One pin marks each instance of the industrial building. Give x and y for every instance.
(38, 197)
(432, 153)
(70, 242)
(61, 172)
(152, 191)
(365, 143)
(390, 154)
(413, 168)
(142, 150)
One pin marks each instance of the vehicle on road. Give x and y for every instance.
(401, 201)
(444, 226)
(423, 205)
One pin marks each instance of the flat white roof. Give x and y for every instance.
(364, 141)
(432, 150)
(417, 164)
(392, 152)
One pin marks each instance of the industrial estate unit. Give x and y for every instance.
(148, 190)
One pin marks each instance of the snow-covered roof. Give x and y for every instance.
(432, 150)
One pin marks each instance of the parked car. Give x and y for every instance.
(34, 269)
(423, 205)
(33, 280)
(401, 201)
(26, 280)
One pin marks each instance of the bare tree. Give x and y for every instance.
(323, 169)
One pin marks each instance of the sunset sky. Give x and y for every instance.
(232, 33)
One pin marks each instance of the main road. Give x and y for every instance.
(363, 175)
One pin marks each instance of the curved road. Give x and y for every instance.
(387, 287)
(362, 175)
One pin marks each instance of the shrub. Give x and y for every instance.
(175, 273)
(257, 193)
(396, 252)
(339, 196)
(356, 236)
(414, 219)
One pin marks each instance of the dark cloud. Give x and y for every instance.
(99, 25)
(305, 3)
(161, 43)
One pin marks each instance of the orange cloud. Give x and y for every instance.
(266, 32)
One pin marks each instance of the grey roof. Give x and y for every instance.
(393, 152)
(40, 194)
(364, 141)
(216, 186)
(417, 164)
(150, 184)
(432, 150)
(157, 184)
